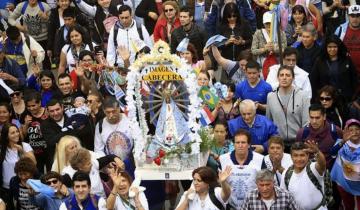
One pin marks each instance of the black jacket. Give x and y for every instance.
(244, 31)
(143, 10)
(346, 80)
(52, 134)
(196, 35)
(307, 57)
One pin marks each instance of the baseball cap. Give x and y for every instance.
(267, 17)
(354, 9)
(352, 121)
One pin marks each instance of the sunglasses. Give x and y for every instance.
(17, 94)
(54, 181)
(89, 101)
(232, 16)
(354, 15)
(169, 10)
(325, 98)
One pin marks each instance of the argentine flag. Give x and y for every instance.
(346, 170)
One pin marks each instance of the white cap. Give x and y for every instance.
(354, 9)
(267, 17)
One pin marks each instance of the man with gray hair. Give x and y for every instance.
(308, 49)
(267, 195)
(260, 127)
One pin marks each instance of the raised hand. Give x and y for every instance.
(312, 147)
(223, 175)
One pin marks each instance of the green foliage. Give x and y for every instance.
(207, 140)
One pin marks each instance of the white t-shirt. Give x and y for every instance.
(8, 165)
(120, 205)
(207, 204)
(101, 205)
(286, 162)
(114, 138)
(268, 203)
(304, 191)
(96, 184)
(242, 178)
(70, 60)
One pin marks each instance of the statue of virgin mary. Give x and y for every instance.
(171, 127)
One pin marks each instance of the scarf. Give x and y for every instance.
(76, 54)
(88, 203)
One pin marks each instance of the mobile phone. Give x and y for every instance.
(98, 49)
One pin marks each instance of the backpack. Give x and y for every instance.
(214, 200)
(116, 31)
(333, 132)
(94, 200)
(328, 198)
(26, 4)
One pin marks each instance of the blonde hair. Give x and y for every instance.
(173, 4)
(60, 153)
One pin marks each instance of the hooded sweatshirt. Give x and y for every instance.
(293, 117)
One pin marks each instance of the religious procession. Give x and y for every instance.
(180, 104)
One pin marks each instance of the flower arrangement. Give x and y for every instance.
(161, 54)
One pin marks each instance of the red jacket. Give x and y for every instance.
(160, 31)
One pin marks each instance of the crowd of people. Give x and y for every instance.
(286, 136)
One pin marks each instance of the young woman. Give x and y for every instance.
(205, 181)
(46, 86)
(191, 56)
(66, 147)
(294, 27)
(334, 67)
(223, 145)
(70, 52)
(12, 149)
(288, 106)
(227, 108)
(120, 196)
(336, 112)
(167, 22)
(6, 116)
(237, 30)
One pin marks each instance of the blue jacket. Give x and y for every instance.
(261, 131)
(49, 203)
(12, 68)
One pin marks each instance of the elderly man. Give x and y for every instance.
(267, 195)
(260, 127)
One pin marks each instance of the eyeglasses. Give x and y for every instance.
(325, 98)
(17, 94)
(169, 10)
(54, 181)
